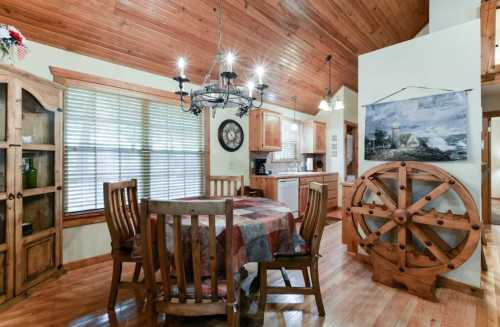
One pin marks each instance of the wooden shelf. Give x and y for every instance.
(39, 190)
(39, 235)
(39, 147)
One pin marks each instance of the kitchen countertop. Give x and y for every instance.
(298, 174)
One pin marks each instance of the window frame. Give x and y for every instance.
(298, 145)
(69, 78)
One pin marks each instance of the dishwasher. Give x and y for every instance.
(288, 193)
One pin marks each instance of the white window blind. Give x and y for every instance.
(289, 141)
(111, 137)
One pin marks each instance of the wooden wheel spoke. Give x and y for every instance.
(379, 189)
(427, 242)
(403, 188)
(372, 210)
(444, 220)
(401, 247)
(438, 191)
(380, 231)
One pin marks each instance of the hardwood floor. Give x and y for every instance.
(351, 299)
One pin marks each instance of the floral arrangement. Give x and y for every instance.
(11, 39)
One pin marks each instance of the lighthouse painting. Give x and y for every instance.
(431, 128)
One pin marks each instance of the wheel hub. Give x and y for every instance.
(401, 217)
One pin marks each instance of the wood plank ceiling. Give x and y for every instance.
(291, 36)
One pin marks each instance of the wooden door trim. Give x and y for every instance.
(355, 153)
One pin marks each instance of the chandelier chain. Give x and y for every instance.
(220, 31)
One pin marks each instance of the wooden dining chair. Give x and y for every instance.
(311, 231)
(204, 295)
(225, 185)
(122, 217)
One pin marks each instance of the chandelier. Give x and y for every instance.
(222, 92)
(328, 102)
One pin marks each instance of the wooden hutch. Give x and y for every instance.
(31, 197)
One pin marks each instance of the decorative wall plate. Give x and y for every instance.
(230, 135)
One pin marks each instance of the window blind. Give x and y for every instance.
(289, 141)
(111, 137)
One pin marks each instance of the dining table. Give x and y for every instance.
(261, 228)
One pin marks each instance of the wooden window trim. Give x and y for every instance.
(70, 78)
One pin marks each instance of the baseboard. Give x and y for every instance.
(460, 287)
(86, 262)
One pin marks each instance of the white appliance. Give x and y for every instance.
(288, 193)
(310, 164)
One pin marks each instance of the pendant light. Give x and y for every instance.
(294, 126)
(326, 102)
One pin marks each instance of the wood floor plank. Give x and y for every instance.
(350, 297)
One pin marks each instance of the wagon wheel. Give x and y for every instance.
(416, 247)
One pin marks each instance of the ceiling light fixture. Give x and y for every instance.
(221, 92)
(326, 102)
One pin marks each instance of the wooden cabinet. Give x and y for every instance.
(30, 181)
(265, 131)
(331, 180)
(314, 137)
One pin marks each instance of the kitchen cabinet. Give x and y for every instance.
(268, 184)
(314, 137)
(31, 202)
(264, 131)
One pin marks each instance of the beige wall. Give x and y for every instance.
(92, 240)
(450, 59)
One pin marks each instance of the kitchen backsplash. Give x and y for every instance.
(277, 166)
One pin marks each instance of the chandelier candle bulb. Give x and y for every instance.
(181, 64)
(250, 86)
(260, 74)
(230, 59)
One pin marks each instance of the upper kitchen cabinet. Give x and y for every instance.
(265, 131)
(314, 137)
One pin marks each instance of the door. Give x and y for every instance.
(37, 187)
(7, 245)
(272, 131)
(320, 137)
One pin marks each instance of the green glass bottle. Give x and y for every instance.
(29, 175)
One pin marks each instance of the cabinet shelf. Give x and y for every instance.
(38, 147)
(37, 191)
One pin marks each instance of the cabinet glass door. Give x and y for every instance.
(3, 111)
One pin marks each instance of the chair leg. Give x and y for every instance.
(286, 279)
(137, 272)
(232, 317)
(115, 281)
(263, 286)
(305, 274)
(317, 290)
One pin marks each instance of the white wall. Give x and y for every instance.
(92, 240)
(447, 13)
(446, 59)
(495, 157)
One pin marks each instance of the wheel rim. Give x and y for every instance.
(417, 247)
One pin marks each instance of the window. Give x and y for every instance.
(111, 137)
(289, 141)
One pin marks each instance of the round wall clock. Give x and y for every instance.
(230, 135)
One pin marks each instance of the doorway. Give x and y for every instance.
(490, 169)
(351, 151)
(495, 169)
